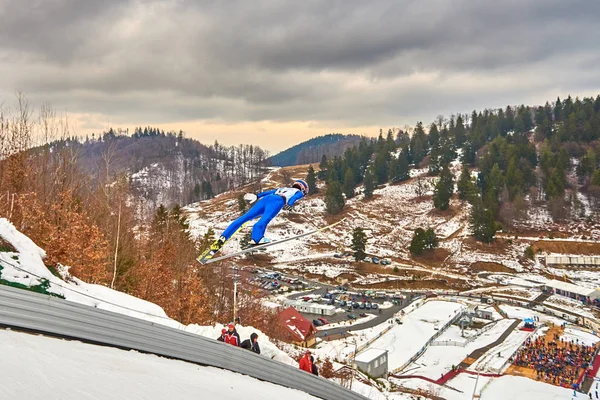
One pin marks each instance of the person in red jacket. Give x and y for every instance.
(231, 336)
(306, 363)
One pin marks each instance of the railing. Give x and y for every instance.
(31, 311)
(431, 339)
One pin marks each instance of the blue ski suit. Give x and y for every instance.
(268, 205)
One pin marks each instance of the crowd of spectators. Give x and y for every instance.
(558, 361)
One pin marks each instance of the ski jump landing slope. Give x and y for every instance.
(49, 315)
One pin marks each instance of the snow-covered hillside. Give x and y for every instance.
(40, 368)
(389, 219)
(25, 266)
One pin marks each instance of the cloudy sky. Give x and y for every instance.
(275, 73)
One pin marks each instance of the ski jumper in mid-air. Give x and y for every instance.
(268, 205)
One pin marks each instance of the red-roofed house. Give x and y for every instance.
(299, 330)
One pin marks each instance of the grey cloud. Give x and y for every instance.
(353, 61)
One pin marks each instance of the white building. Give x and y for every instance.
(373, 361)
(576, 261)
(310, 308)
(573, 291)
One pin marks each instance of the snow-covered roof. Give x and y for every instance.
(569, 287)
(370, 355)
(295, 303)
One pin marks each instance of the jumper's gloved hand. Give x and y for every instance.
(250, 197)
(287, 207)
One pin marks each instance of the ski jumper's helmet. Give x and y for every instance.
(301, 185)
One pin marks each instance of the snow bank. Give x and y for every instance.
(40, 368)
(267, 348)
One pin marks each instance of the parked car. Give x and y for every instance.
(343, 303)
(316, 322)
(385, 262)
(362, 306)
(323, 320)
(374, 306)
(375, 260)
(336, 255)
(355, 305)
(351, 316)
(368, 306)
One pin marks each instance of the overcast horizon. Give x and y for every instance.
(276, 73)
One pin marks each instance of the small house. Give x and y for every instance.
(373, 361)
(297, 328)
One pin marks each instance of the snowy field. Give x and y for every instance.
(438, 360)
(497, 357)
(41, 368)
(405, 340)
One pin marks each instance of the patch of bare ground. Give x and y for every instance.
(446, 214)
(323, 247)
(443, 284)
(498, 246)
(562, 247)
(368, 268)
(433, 258)
(481, 266)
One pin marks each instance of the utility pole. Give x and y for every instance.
(475, 388)
(235, 280)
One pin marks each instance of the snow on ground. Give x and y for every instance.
(497, 357)
(522, 313)
(39, 368)
(515, 387)
(568, 304)
(26, 266)
(438, 360)
(267, 348)
(29, 257)
(581, 277)
(572, 334)
(347, 323)
(405, 340)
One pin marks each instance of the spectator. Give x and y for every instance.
(251, 344)
(305, 362)
(231, 336)
(314, 369)
(222, 337)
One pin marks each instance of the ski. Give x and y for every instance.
(214, 247)
(265, 245)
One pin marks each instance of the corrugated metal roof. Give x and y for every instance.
(569, 287)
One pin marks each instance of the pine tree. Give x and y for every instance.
(423, 240)
(417, 244)
(465, 186)
(242, 205)
(323, 166)
(460, 133)
(334, 198)
(419, 145)
(381, 167)
(349, 183)
(431, 239)
(483, 224)
(369, 183)
(311, 180)
(359, 242)
(443, 190)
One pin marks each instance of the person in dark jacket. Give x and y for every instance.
(315, 370)
(252, 343)
(231, 336)
(222, 337)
